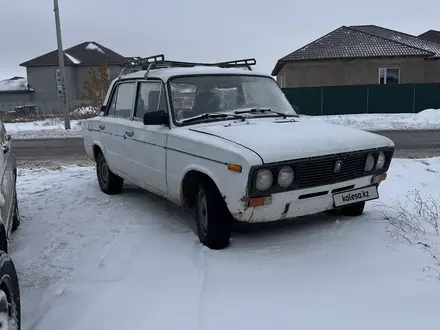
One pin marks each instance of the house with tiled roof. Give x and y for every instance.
(431, 35)
(43, 73)
(362, 55)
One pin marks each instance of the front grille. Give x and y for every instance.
(321, 170)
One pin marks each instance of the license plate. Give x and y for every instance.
(355, 196)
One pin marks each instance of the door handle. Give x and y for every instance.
(101, 126)
(5, 149)
(129, 133)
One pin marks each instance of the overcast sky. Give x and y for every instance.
(196, 30)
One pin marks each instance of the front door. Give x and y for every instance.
(146, 145)
(113, 127)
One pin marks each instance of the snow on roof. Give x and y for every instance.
(167, 73)
(73, 59)
(14, 84)
(92, 46)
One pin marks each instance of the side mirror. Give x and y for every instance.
(159, 117)
(8, 137)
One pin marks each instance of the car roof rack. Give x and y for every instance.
(159, 62)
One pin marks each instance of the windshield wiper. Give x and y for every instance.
(263, 110)
(212, 116)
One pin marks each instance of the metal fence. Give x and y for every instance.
(330, 100)
(340, 100)
(38, 108)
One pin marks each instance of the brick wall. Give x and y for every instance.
(357, 72)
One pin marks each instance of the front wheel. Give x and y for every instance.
(212, 216)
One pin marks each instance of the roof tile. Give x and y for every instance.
(400, 37)
(86, 53)
(347, 42)
(431, 35)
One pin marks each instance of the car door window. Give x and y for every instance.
(122, 101)
(151, 97)
(3, 133)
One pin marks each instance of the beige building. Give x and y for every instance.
(362, 55)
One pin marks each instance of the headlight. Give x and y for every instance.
(380, 161)
(264, 179)
(285, 176)
(369, 164)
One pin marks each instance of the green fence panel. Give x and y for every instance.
(308, 99)
(399, 98)
(390, 98)
(344, 100)
(427, 97)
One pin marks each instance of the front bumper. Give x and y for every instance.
(302, 202)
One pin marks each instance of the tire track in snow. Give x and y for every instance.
(201, 262)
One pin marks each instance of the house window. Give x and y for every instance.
(389, 76)
(282, 80)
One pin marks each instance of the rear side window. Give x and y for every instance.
(122, 100)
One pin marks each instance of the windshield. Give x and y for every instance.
(196, 95)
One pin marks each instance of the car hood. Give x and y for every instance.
(278, 140)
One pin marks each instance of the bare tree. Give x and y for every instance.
(95, 87)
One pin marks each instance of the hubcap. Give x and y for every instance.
(8, 311)
(104, 172)
(203, 211)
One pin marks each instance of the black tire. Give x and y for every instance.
(4, 243)
(214, 222)
(15, 215)
(9, 294)
(354, 210)
(110, 183)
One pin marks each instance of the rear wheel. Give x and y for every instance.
(110, 183)
(212, 216)
(10, 309)
(15, 214)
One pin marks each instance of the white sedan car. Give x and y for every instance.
(9, 215)
(227, 141)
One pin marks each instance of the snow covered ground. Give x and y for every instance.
(43, 129)
(427, 119)
(132, 261)
(424, 120)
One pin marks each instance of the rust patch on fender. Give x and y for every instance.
(244, 205)
(244, 199)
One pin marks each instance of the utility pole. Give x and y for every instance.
(61, 65)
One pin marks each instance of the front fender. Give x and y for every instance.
(201, 169)
(231, 185)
